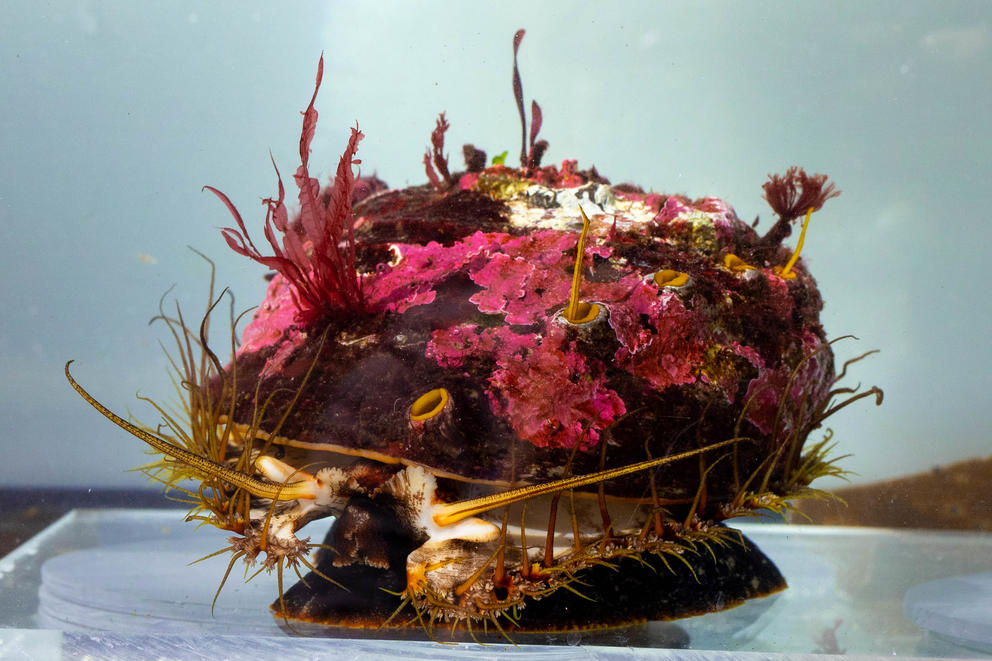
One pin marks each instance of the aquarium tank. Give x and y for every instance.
(428, 327)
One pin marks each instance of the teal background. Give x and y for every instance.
(113, 115)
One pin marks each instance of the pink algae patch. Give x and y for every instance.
(411, 282)
(553, 396)
(274, 323)
(720, 214)
(421, 268)
(778, 300)
(521, 277)
(675, 349)
(810, 383)
(270, 321)
(503, 279)
(763, 396)
(674, 207)
(749, 353)
(452, 347)
(528, 278)
(723, 217)
(727, 377)
(628, 299)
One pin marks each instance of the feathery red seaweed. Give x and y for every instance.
(317, 255)
(791, 195)
(530, 158)
(436, 155)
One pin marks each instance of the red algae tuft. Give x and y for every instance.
(317, 254)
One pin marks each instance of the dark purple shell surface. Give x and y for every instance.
(464, 290)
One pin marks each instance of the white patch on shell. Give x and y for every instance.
(698, 219)
(595, 199)
(634, 214)
(396, 253)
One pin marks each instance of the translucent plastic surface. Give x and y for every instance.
(958, 609)
(118, 582)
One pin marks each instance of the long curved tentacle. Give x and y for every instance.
(293, 491)
(454, 512)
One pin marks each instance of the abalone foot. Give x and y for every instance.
(631, 592)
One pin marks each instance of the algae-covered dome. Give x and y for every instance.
(461, 356)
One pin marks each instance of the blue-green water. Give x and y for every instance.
(115, 114)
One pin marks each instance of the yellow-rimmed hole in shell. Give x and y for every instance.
(670, 278)
(734, 263)
(584, 313)
(429, 405)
